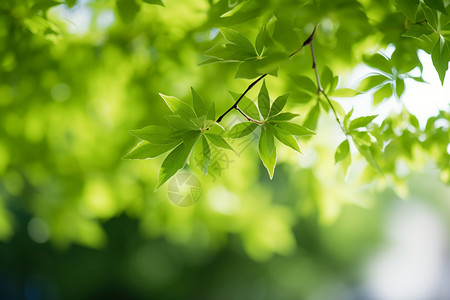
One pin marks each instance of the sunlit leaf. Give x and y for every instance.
(278, 105)
(263, 101)
(198, 103)
(361, 122)
(173, 162)
(179, 107)
(269, 160)
(242, 129)
(218, 141)
(202, 155)
(145, 150)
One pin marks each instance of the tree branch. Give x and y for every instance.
(308, 41)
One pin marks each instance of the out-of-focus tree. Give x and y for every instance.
(76, 76)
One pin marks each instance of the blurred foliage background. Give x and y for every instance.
(77, 222)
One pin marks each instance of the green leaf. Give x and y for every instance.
(127, 9)
(264, 101)
(239, 40)
(180, 124)
(191, 137)
(179, 107)
(156, 134)
(269, 159)
(294, 129)
(242, 129)
(327, 79)
(198, 103)
(202, 155)
(262, 40)
(361, 122)
(342, 151)
(384, 92)
(211, 114)
(278, 105)
(286, 139)
(368, 154)
(283, 117)
(71, 3)
(306, 84)
(441, 57)
(145, 150)
(399, 87)
(173, 162)
(418, 30)
(312, 117)
(408, 8)
(218, 141)
(379, 62)
(270, 138)
(431, 16)
(157, 2)
(436, 4)
(371, 82)
(343, 157)
(252, 68)
(347, 119)
(345, 93)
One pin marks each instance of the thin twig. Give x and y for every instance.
(321, 91)
(235, 105)
(248, 117)
(308, 41)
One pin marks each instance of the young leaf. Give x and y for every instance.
(342, 151)
(179, 107)
(262, 40)
(218, 141)
(441, 57)
(270, 138)
(312, 117)
(383, 93)
(202, 155)
(294, 129)
(408, 8)
(361, 122)
(211, 114)
(145, 150)
(345, 93)
(269, 160)
(180, 124)
(283, 117)
(242, 129)
(239, 40)
(286, 139)
(347, 119)
(418, 30)
(370, 82)
(263, 101)
(155, 134)
(399, 87)
(173, 162)
(326, 79)
(199, 106)
(305, 84)
(436, 4)
(367, 152)
(379, 62)
(278, 105)
(343, 157)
